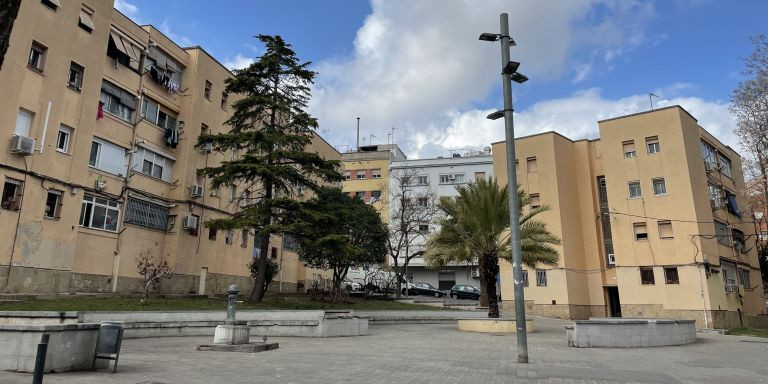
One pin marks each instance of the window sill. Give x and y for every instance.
(75, 89)
(102, 172)
(52, 218)
(150, 177)
(57, 150)
(35, 70)
(10, 210)
(137, 226)
(98, 232)
(662, 194)
(635, 198)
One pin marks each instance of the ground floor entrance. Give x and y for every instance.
(612, 301)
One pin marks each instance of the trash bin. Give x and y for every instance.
(108, 342)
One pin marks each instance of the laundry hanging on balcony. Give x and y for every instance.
(733, 207)
(171, 137)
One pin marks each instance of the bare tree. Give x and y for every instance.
(412, 207)
(749, 104)
(152, 269)
(9, 9)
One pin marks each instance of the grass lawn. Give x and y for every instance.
(748, 332)
(271, 301)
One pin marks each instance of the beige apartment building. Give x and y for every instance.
(652, 222)
(367, 174)
(100, 118)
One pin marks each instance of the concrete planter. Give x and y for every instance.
(493, 325)
(630, 333)
(70, 348)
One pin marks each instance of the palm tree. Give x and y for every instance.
(474, 226)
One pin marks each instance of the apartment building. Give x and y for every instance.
(435, 178)
(100, 119)
(652, 222)
(367, 173)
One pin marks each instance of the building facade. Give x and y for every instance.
(367, 173)
(433, 179)
(652, 223)
(101, 117)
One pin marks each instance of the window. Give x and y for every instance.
(670, 275)
(360, 195)
(444, 179)
(76, 73)
(739, 241)
(709, 154)
(375, 196)
(541, 278)
(244, 238)
(376, 173)
(151, 111)
(152, 164)
(212, 234)
(232, 192)
(744, 278)
(53, 202)
(458, 178)
(652, 143)
(634, 190)
(423, 228)
(37, 56)
(665, 230)
(525, 278)
(641, 231)
(290, 242)
(229, 237)
(23, 122)
(164, 70)
(722, 233)
(422, 201)
(146, 214)
(423, 180)
(535, 201)
(86, 20)
(659, 187)
(646, 276)
(98, 213)
(360, 175)
(127, 52)
(12, 191)
(348, 174)
(117, 102)
(62, 138)
(52, 4)
(479, 176)
(107, 157)
(629, 149)
(531, 164)
(207, 90)
(224, 97)
(725, 165)
(715, 196)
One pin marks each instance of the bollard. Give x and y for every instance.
(232, 292)
(42, 349)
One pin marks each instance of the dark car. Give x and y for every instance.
(465, 292)
(425, 289)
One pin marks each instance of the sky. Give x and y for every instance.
(415, 70)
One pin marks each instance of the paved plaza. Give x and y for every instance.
(429, 353)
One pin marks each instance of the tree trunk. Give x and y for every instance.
(489, 266)
(483, 286)
(9, 9)
(259, 286)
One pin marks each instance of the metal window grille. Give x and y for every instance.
(146, 214)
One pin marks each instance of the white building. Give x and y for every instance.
(439, 177)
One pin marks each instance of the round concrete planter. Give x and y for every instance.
(493, 325)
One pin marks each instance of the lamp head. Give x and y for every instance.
(489, 36)
(519, 78)
(495, 115)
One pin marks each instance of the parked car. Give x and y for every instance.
(465, 292)
(424, 289)
(353, 285)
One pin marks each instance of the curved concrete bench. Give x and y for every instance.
(630, 333)
(489, 325)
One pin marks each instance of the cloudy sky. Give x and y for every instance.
(415, 69)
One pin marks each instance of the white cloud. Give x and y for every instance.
(181, 40)
(238, 62)
(575, 117)
(128, 9)
(418, 65)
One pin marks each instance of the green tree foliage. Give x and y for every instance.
(269, 276)
(271, 130)
(473, 228)
(339, 232)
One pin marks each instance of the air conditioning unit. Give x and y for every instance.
(190, 222)
(196, 190)
(452, 178)
(709, 166)
(713, 203)
(22, 145)
(611, 259)
(474, 271)
(206, 147)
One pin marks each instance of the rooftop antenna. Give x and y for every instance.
(358, 134)
(650, 98)
(370, 139)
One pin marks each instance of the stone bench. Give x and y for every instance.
(490, 325)
(630, 333)
(70, 347)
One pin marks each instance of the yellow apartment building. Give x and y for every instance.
(100, 118)
(367, 174)
(652, 222)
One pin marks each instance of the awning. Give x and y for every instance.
(118, 41)
(55, 2)
(86, 19)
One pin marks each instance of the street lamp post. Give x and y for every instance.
(509, 73)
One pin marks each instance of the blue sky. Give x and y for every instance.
(417, 65)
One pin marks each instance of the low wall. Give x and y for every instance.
(70, 348)
(37, 317)
(493, 325)
(629, 333)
